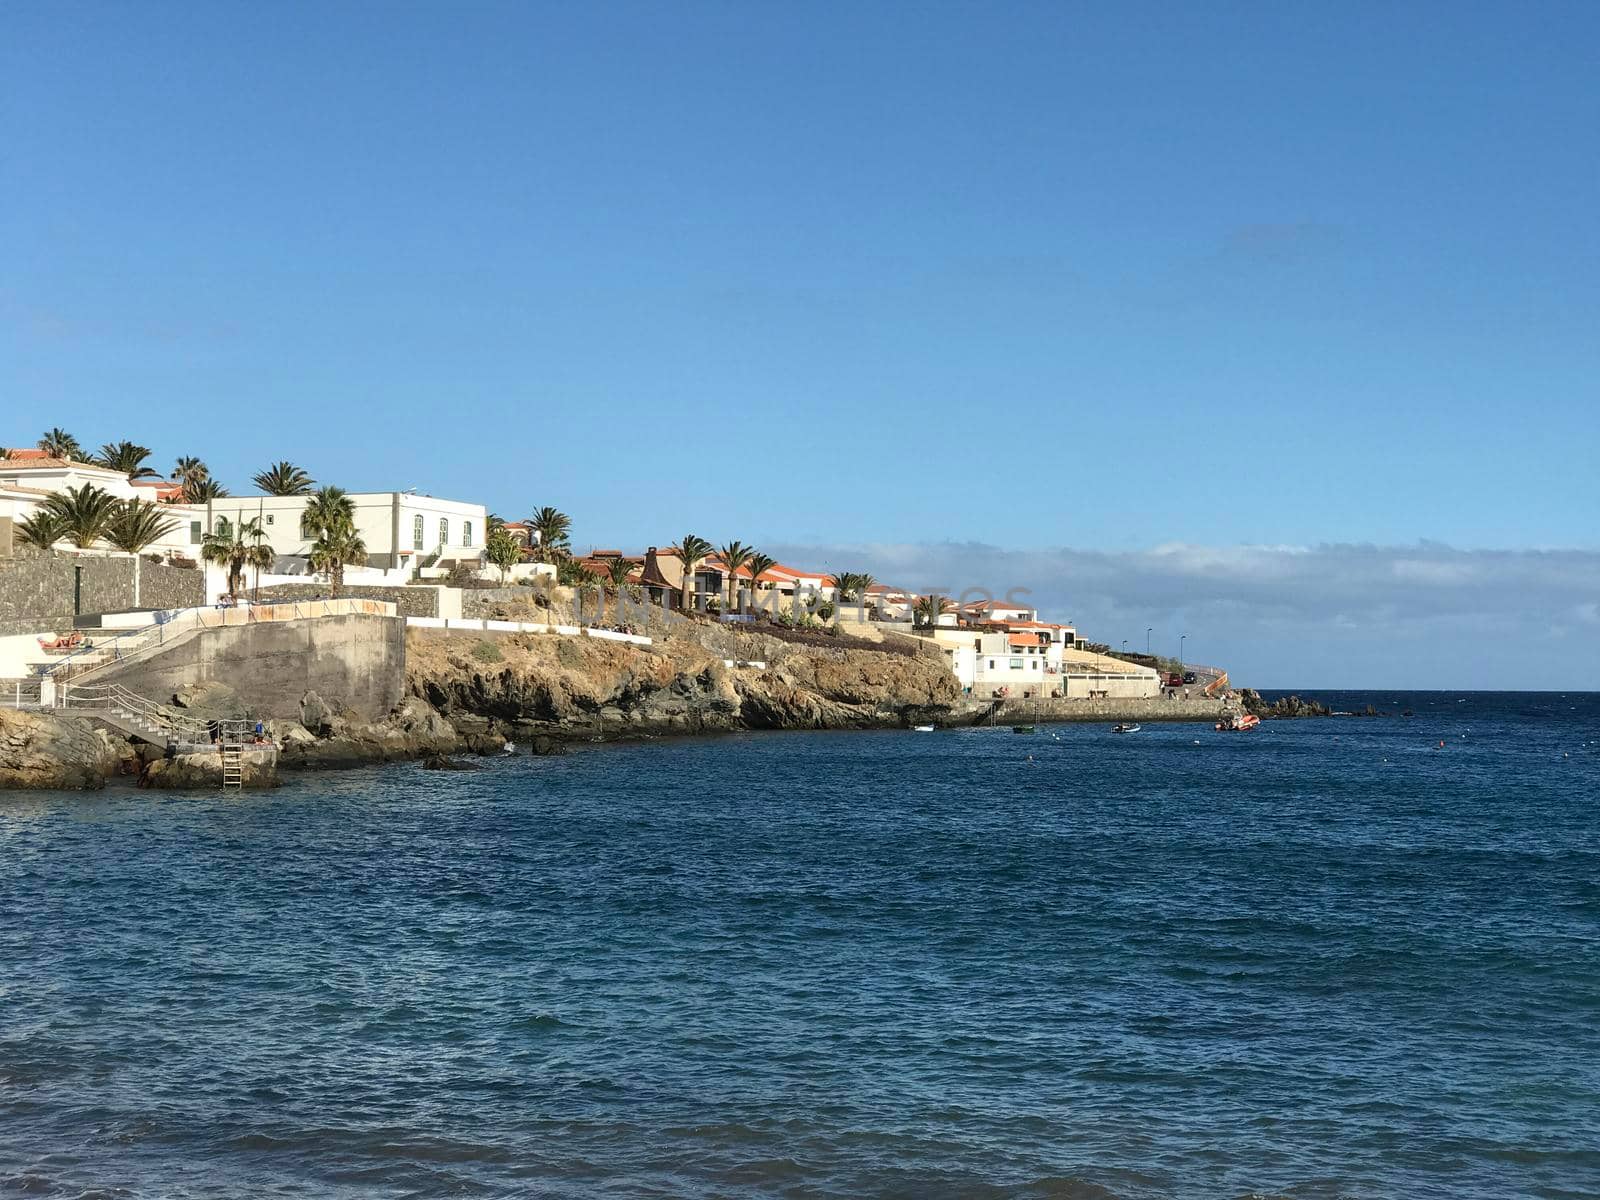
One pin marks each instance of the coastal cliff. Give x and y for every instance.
(583, 687)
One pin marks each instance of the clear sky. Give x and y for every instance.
(1103, 277)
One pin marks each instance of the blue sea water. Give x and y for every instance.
(1323, 959)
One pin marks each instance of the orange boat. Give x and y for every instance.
(1238, 722)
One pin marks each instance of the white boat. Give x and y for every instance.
(1124, 729)
(922, 728)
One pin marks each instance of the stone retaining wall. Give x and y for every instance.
(37, 592)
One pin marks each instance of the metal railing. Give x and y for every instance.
(116, 700)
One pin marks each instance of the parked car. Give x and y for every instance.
(1188, 677)
(1174, 680)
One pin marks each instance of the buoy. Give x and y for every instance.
(1441, 743)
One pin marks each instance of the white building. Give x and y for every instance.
(402, 530)
(29, 477)
(1033, 664)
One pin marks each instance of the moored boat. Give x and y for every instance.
(1238, 722)
(1124, 728)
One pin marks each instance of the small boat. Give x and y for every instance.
(922, 728)
(1124, 729)
(1022, 729)
(1238, 722)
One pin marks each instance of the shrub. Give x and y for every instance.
(487, 651)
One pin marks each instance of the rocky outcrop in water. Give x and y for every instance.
(202, 769)
(328, 737)
(1283, 708)
(44, 750)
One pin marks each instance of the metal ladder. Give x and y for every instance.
(232, 734)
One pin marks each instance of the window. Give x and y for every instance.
(991, 664)
(306, 532)
(1016, 664)
(196, 532)
(466, 533)
(223, 529)
(270, 519)
(444, 531)
(416, 532)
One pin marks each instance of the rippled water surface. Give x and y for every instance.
(1327, 958)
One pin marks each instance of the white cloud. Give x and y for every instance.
(1425, 615)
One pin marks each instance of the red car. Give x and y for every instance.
(1174, 680)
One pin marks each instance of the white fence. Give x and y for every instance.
(103, 646)
(456, 624)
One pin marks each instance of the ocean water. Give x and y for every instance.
(1324, 959)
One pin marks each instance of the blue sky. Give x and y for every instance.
(1108, 278)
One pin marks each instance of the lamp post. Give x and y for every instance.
(1124, 645)
(1147, 634)
(1181, 638)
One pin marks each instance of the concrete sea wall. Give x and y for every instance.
(355, 661)
(1195, 708)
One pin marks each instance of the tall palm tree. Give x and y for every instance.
(734, 555)
(328, 507)
(758, 564)
(691, 550)
(189, 470)
(338, 545)
(284, 479)
(259, 554)
(136, 525)
(203, 489)
(85, 513)
(552, 527)
(127, 458)
(41, 529)
(58, 443)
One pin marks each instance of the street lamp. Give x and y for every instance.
(1124, 645)
(1147, 634)
(1181, 638)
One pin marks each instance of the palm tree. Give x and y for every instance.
(758, 564)
(552, 527)
(136, 525)
(58, 443)
(189, 470)
(231, 548)
(284, 479)
(127, 458)
(501, 549)
(930, 608)
(41, 529)
(734, 555)
(691, 549)
(202, 490)
(338, 545)
(853, 585)
(260, 555)
(618, 570)
(85, 513)
(327, 508)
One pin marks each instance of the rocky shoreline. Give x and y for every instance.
(470, 695)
